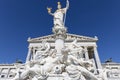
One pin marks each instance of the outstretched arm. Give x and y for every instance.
(49, 11)
(51, 14)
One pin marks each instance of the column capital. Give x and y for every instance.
(85, 46)
(95, 46)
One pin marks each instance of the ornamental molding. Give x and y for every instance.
(69, 38)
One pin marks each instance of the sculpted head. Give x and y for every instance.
(59, 5)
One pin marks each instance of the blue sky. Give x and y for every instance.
(20, 19)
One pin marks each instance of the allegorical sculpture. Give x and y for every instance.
(46, 64)
(59, 15)
(69, 66)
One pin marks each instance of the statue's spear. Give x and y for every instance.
(67, 6)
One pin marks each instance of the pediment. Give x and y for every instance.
(70, 37)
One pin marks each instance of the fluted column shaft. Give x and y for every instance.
(97, 58)
(29, 54)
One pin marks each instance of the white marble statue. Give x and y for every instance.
(58, 15)
(42, 51)
(39, 69)
(46, 62)
(79, 65)
(76, 49)
(60, 60)
(33, 70)
(77, 68)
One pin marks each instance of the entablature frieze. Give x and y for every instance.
(69, 38)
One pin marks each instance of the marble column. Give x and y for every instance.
(33, 54)
(95, 69)
(29, 54)
(86, 53)
(98, 63)
(59, 44)
(0, 71)
(8, 72)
